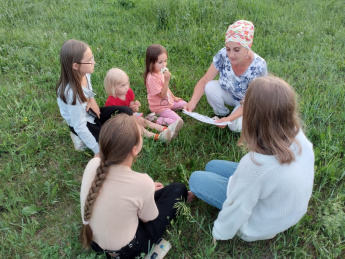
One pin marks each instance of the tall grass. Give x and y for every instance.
(302, 42)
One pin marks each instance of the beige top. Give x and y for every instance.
(124, 197)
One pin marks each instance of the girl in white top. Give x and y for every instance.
(269, 189)
(75, 97)
(124, 212)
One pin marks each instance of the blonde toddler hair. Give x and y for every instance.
(113, 77)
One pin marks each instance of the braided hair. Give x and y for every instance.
(117, 138)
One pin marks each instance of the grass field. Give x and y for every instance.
(40, 172)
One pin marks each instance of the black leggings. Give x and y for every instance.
(150, 232)
(106, 113)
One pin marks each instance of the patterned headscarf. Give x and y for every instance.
(241, 32)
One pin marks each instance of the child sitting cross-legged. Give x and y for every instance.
(117, 86)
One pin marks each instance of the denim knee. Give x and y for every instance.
(193, 180)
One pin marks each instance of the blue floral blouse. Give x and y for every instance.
(230, 82)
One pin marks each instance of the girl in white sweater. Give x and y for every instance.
(269, 189)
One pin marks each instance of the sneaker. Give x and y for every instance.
(221, 116)
(175, 128)
(152, 117)
(77, 142)
(165, 136)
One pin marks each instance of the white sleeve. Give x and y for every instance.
(78, 121)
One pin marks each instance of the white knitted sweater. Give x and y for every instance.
(266, 199)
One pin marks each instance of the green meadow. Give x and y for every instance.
(40, 172)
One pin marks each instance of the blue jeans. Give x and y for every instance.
(211, 185)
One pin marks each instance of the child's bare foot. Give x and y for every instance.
(190, 197)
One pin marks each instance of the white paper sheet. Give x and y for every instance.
(203, 118)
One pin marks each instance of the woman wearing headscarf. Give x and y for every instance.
(237, 66)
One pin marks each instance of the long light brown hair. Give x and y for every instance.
(72, 51)
(152, 53)
(270, 118)
(117, 138)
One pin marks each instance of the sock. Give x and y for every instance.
(156, 137)
(165, 128)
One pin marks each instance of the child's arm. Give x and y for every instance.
(134, 106)
(176, 99)
(94, 106)
(165, 88)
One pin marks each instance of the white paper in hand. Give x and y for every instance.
(204, 118)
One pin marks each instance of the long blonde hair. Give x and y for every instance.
(117, 138)
(270, 118)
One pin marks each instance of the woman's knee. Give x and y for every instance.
(211, 87)
(236, 125)
(211, 164)
(196, 181)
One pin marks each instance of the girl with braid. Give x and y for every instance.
(124, 212)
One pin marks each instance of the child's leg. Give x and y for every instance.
(178, 105)
(167, 117)
(146, 123)
(164, 136)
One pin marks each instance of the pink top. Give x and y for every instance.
(118, 102)
(124, 197)
(154, 85)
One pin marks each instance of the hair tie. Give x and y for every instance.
(86, 222)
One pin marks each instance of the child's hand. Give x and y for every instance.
(136, 102)
(167, 75)
(133, 105)
(177, 99)
(158, 186)
(94, 106)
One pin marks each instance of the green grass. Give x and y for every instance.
(40, 173)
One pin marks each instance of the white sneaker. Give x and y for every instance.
(77, 142)
(151, 117)
(165, 135)
(175, 128)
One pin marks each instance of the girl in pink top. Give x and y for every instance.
(156, 77)
(116, 83)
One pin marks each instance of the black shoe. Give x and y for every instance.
(221, 116)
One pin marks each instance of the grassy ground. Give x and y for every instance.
(302, 42)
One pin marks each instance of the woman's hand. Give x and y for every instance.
(189, 107)
(158, 186)
(222, 120)
(94, 106)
